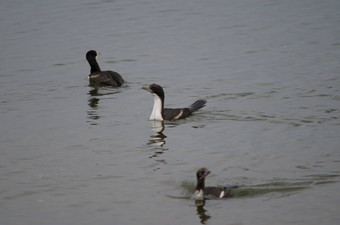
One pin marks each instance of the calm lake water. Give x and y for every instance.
(71, 154)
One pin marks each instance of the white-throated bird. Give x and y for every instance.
(160, 113)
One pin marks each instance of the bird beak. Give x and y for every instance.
(147, 89)
(206, 173)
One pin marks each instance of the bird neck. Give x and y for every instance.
(94, 65)
(200, 184)
(157, 110)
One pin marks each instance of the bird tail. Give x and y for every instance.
(197, 105)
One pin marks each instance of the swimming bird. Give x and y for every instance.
(102, 78)
(160, 113)
(201, 191)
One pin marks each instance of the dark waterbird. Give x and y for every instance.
(160, 113)
(201, 191)
(102, 78)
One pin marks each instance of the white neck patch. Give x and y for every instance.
(156, 113)
(198, 195)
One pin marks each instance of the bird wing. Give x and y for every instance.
(175, 114)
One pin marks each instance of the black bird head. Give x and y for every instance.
(155, 89)
(202, 173)
(91, 54)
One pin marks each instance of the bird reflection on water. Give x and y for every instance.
(201, 211)
(158, 138)
(95, 95)
(93, 100)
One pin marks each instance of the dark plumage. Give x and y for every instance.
(102, 78)
(161, 113)
(201, 191)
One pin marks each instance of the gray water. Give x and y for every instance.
(71, 154)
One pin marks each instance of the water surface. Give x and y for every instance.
(72, 154)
